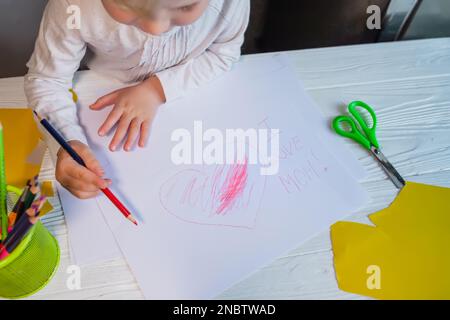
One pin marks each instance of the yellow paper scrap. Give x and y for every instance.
(46, 208)
(406, 255)
(47, 189)
(22, 138)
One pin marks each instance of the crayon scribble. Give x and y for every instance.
(221, 195)
(234, 186)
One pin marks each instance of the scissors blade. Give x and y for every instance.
(393, 174)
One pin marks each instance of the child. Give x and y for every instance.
(167, 47)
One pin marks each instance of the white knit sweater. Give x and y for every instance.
(183, 58)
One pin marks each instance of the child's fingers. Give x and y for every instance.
(84, 194)
(121, 131)
(145, 132)
(81, 186)
(110, 121)
(86, 176)
(91, 162)
(105, 101)
(133, 132)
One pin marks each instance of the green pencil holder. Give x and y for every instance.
(31, 266)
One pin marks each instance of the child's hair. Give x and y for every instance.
(144, 7)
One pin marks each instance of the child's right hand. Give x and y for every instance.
(83, 183)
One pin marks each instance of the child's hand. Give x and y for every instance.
(133, 112)
(81, 182)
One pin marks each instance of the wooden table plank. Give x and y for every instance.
(371, 63)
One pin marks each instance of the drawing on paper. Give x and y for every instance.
(221, 195)
(233, 187)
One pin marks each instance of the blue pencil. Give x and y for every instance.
(63, 143)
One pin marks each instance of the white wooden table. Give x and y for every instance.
(407, 82)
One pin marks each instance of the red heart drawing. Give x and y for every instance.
(222, 195)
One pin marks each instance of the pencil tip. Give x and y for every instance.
(133, 220)
(37, 115)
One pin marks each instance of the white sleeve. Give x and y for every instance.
(217, 59)
(57, 55)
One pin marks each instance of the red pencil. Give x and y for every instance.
(75, 156)
(119, 205)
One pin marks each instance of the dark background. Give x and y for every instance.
(275, 25)
(278, 25)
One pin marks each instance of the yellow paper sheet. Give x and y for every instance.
(21, 141)
(46, 208)
(47, 189)
(406, 255)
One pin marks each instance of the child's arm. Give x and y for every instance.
(57, 55)
(56, 58)
(217, 59)
(135, 107)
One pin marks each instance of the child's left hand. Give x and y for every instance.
(133, 112)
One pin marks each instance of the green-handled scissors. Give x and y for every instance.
(362, 133)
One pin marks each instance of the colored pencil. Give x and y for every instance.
(3, 193)
(18, 207)
(33, 191)
(63, 143)
(23, 226)
(36, 206)
(21, 202)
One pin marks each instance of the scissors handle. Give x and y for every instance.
(370, 131)
(353, 132)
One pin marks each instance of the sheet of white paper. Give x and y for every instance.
(91, 250)
(90, 239)
(322, 125)
(256, 65)
(262, 64)
(189, 244)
